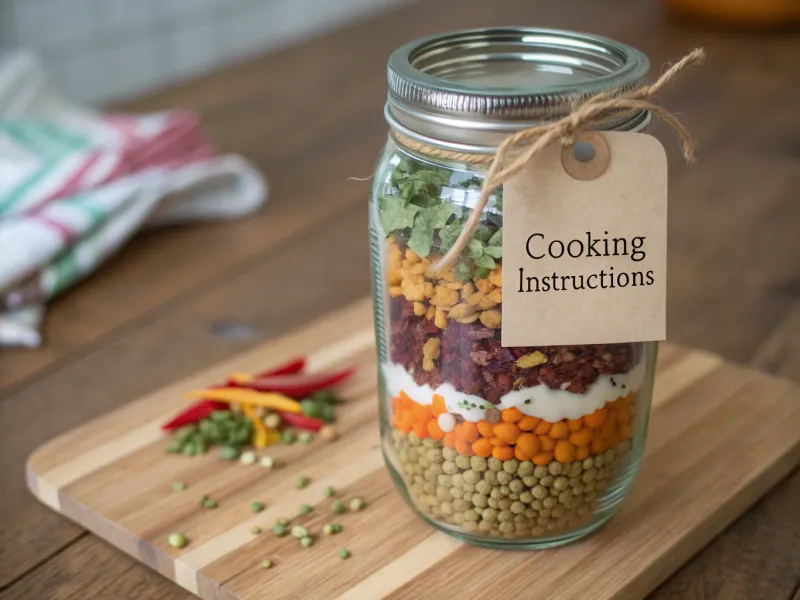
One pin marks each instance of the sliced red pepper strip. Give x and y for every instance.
(203, 409)
(296, 365)
(196, 412)
(296, 386)
(301, 421)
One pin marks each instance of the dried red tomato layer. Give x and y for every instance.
(473, 361)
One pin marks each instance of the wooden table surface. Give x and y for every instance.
(175, 301)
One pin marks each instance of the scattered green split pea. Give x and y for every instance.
(343, 553)
(302, 482)
(279, 530)
(337, 506)
(257, 506)
(228, 452)
(255, 530)
(305, 509)
(177, 540)
(331, 528)
(221, 415)
(306, 541)
(178, 486)
(305, 437)
(329, 492)
(299, 531)
(356, 504)
(266, 563)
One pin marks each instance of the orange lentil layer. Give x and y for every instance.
(518, 435)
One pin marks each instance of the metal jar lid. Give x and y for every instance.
(467, 90)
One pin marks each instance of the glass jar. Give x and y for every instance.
(526, 447)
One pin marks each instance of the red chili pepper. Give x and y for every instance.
(203, 409)
(296, 386)
(301, 421)
(196, 412)
(296, 365)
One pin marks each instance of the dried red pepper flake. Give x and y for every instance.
(301, 421)
(295, 365)
(295, 386)
(203, 409)
(195, 413)
(474, 362)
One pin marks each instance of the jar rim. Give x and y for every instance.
(476, 86)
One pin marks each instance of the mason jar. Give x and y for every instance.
(527, 447)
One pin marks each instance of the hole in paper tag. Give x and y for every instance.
(583, 151)
(584, 244)
(587, 158)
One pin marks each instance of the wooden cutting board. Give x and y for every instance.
(720, 437)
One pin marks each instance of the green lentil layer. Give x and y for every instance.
(511, 499)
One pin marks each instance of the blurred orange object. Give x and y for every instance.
(742, 13)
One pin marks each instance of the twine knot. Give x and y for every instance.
(520, 147)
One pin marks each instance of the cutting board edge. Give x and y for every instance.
(639, 587)
(201, 375)
(727, 514)
(166, 564)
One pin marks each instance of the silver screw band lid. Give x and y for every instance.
(472, 88)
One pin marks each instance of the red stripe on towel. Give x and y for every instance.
(67, 234)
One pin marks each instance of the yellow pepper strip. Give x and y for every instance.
(273, 436)
(259, 430)
(271, 400)
(240, 377)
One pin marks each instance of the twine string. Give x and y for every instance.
(520, 147)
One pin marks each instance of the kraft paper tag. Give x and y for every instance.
(584, 254)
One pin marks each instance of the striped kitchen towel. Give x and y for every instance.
(76, 185)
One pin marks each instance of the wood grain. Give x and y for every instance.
(120, 334)
(112, 477)
(168, 311)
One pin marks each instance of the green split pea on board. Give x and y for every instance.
(331, 528)
(299, 531)
(228, 452)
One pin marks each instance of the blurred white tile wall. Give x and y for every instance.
(102, 50)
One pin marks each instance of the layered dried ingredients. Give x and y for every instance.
(508, 442)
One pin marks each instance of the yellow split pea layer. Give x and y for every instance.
(521, 436)
(443, 297)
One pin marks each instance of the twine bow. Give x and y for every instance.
(523, 145)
